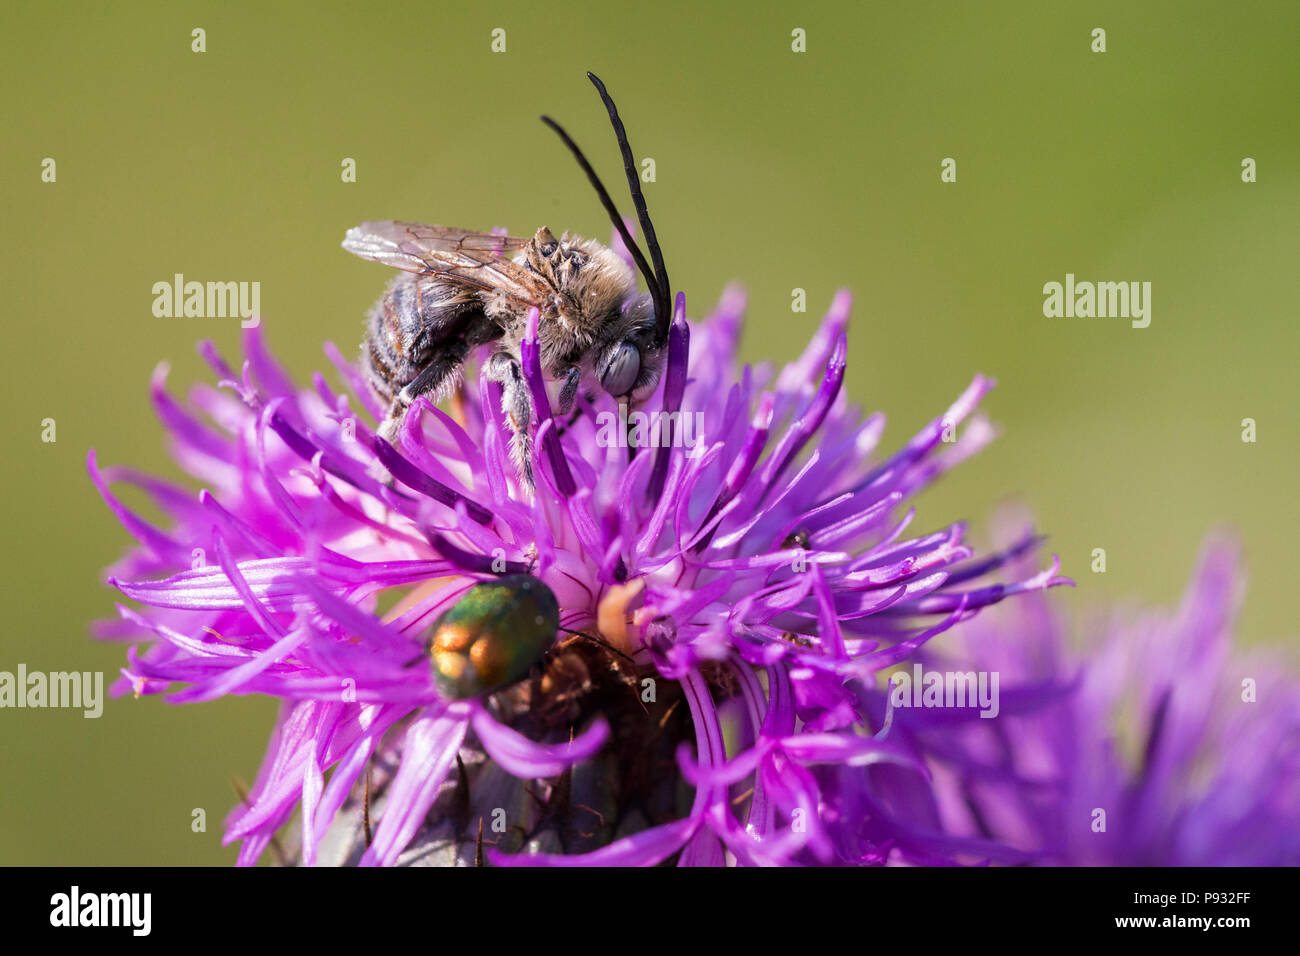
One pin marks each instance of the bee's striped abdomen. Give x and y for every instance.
(420, 321)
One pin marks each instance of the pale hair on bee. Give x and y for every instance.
(460, 289)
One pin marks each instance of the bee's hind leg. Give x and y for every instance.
(438, 378)
(516, 405)
(388, 427)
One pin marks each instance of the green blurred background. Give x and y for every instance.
(775, 169)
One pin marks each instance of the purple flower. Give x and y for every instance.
(1156, 744)
(742, 578)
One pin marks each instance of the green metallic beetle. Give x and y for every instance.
(493, 636)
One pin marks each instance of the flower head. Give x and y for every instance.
(728, 589)
(1156, 744)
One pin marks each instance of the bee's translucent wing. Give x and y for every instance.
(415, 247)
(477, 259)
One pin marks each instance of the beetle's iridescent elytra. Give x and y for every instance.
(493, 636)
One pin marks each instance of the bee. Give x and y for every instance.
(460, 289)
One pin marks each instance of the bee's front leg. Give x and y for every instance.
(574, 415)
(516, 405)
(570, 390)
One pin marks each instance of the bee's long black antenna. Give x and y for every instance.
(614, 215)
(663, 302)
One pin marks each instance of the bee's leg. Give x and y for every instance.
(575, 414)
(388, 428)
(517, 406)
(436, 377)
(570, 390)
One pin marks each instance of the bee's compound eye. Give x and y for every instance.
(548, 248)
(621, 373)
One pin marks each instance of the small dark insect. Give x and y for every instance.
(798, 538)
(461, 289)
